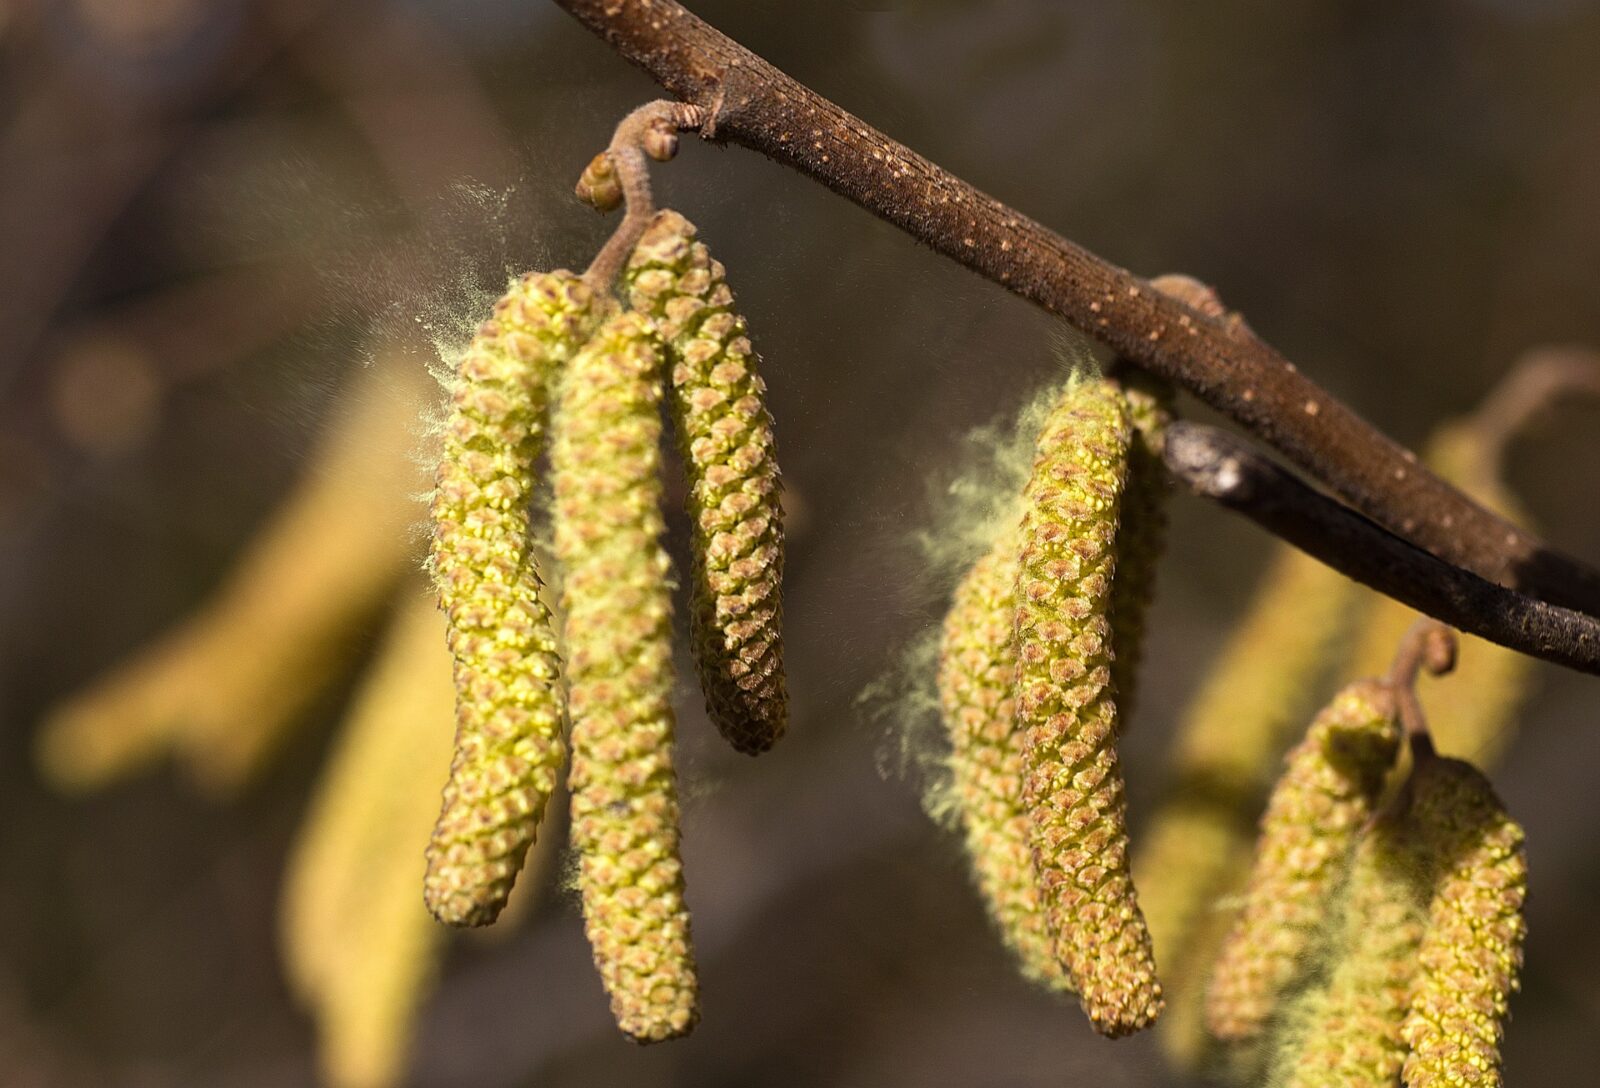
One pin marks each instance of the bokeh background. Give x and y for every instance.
(214, 215)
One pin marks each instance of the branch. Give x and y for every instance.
(1220, 466)
(751, 103)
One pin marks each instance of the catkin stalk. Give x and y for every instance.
(977, 667)
(1067, 712)
(1330, 786)
(509, 707)
(359, 948)
(1473, 711)
(1472, 950)
(1346, 1032)
(725, 435)
(618, 637)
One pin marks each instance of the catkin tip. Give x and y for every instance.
(1067, 712)
(617, 632)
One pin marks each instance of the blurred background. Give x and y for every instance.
(226, 225)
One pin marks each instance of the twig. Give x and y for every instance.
(1220, 466)
(1541, 377)
(749, 102)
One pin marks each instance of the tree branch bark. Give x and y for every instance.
(1222, 467)
(751, 103)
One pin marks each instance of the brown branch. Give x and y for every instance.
(751, 103)
(1221, 466)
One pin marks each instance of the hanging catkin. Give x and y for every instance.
(229, 686)
(977, 667)
(725, 435)
(1472, 948)
(358, 946)
(1345, 1033)
(1142, 535)
(509, 710)
(1263, 685)
(1328, 791)
(1066, 708)
(616, 597)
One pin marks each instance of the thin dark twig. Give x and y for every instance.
(1223, 467)
(751, 103)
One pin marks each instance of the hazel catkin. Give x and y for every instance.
(1345, 1032)
(616, 599)
(1472, 948)
(1330, 785)
(227, 688)
(1067, 712)
(509, 705)
(1193, 856)
(358, 947)
(977, 667)
(725, 435)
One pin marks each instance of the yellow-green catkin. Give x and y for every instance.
(977, 668)
(1472, 949)
(1330, 786)
(617, 604)
(359, 948)
(1345, 1033)
(1185, 970)
(1264, 684)
(225, 689)
(1067, 711)
(509, 707)
(1472, 712)
(735, 504)
(1143, 533)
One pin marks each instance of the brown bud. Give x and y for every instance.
(599, 187)
(661, 141)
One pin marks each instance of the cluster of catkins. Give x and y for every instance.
(1378, 933)
(560, 356)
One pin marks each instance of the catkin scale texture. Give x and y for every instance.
(509, 705)
(1330, 786)
(616, 598)
(1066, 708)
(735, 503)
(1472, 949)
(1345, 1033)
(977, 667)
